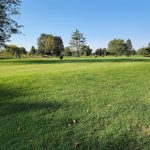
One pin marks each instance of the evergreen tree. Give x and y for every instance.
(77, 42)
(128, 48)
(33, 51)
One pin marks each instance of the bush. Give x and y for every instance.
(61, 57)
(144, 51)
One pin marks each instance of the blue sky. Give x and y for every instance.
(99, 20)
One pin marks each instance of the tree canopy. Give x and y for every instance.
(101, 51)
(145, 51)
(33, 51)
(15, 50)
(50, 45)
(117, 47)
(86, 50)
(8, 26)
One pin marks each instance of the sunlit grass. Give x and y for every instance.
(85, 103)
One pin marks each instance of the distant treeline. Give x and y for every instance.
(50, 45)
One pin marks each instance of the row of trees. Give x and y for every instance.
(117, 47)
(51, 45)
(13, 50)
(145, 51)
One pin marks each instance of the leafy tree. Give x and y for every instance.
(50, 45)
(77, 42)
(41, 42)
(58, 46)
(86, 50)
(145, 51)
(33, 51)
(107, 53)
(23, 50)
(133, 52)
(14, 50)
(128, 48)
(68, 51)
(8, 26)
(117, 47)
(100, 52)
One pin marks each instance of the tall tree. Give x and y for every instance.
(117, 47)
(58, 46)
(8, 26)
(77, 42)
(41, 43)
(50, 45)
(33, 51)
(128, 47)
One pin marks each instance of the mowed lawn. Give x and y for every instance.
(76, 103)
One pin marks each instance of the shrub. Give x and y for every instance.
(144, 51)
(61, 57)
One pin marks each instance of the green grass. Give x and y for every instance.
(77, 103)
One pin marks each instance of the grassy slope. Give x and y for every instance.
(109, 100)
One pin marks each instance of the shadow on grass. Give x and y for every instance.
(126, 141)
(9, 102)
(123, 141)
(13, 108)
(7, 94)
(77, 60)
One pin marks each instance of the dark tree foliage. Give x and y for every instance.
(134, 52)
(23, 50)
(58, 46)
(33, 51)
(8, 26)
(101, 52)
(128, 51)
(61, 57)
(86, 50)
(145, 51)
